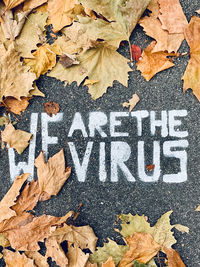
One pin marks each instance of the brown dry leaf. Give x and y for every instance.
(31, 34)
(51, 175)
(198, 11)
(55, 251)
(28, 198)
(15, 80)
(67, 46)
(10, 198)
(44, 59)
(16, 106)
(12, 3)
(132, 102)
(60, 13)
(13, 23)
(142, 248)
(67, 60)
(82, 237)
(76, 257)
(31, 4)
(39, 260)
(174, 259)
(51, 108)
(165, 41)
(16, 138)
(154, 8)
(192, 74)
(15, 259)
(152, 63)
(27, 235)
(108, 263)
(172, 17)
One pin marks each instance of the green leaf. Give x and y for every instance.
(109, 249)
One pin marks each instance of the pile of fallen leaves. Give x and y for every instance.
(66, 244)
(84, 42)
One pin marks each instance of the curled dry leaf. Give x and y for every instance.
(142, 248)
(172, 17)
(152, 63)
(132, 102)
(192, 74)
(174, 259)
(16, 138)
(51, 175)
(44, 59)
(16, 79)
(13, 259)
(51, 108)
(9, 199)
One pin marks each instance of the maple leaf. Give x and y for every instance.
(12, 3)
(39, 260)
(31, 34)
(91, 264)
(16, 138)
(191, 76)
(16, 106)
(152, 63)
(13, 23)
(44, 59)
(61, 13)
(126, 14)
(162, 233)
(51, 175)
(131, 224)
(101, 64)
(154, 8)
(51, 108)
(19, 81)
(55, 251)
(182, 228)
(14, 259)
(110, 249)
(142, 248)
(9, 199)
(27, 233)
(174, 259)
(86, 32)
(31, 4)
(77, 258)
(164, 40)
(132, 102)
(172, 17)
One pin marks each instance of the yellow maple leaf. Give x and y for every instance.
(99, 64)
(44, 59)
(191, 76)
(14, 259)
